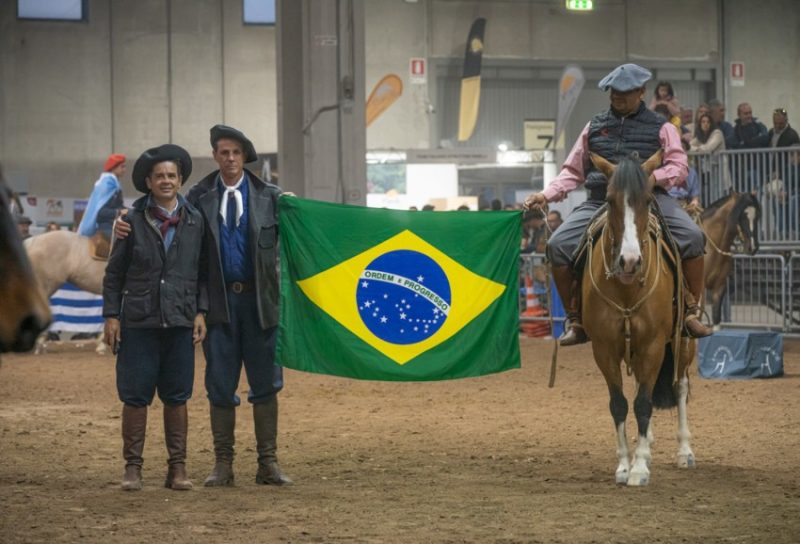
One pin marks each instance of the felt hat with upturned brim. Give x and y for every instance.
(154, 155)
(224, 131)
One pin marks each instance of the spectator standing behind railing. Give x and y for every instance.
(708, 141)
(748, 132)
(717, 111)
(687, 136)
(781, 188)
(664, 94)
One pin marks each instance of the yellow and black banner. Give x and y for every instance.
(471, 81)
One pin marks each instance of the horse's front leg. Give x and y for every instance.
(643, 409)
(618, 405)
(608, 363)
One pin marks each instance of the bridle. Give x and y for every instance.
(627, 312)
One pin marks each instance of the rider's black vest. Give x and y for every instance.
(613, 137)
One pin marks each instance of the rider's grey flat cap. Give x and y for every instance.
(626, 77)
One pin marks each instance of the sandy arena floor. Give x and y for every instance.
(496, 459)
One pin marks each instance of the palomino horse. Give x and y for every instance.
(62, 256)
(24, 311)
(628, 288)
(732, 216)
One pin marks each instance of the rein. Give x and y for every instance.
(629, 311)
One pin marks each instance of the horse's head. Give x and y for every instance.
(24, 311)
(744, 218)
(628, 198)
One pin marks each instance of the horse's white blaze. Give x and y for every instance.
(750, 212)
(631, 253)
(685, 453)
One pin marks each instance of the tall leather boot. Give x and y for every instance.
(134, 427)
(223, 423)
(176, 427)
(693, 272)
(265, 417)
(568, 289)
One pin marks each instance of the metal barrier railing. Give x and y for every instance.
(772, 174)
(756, 293)
(533, 276)
(793, 299)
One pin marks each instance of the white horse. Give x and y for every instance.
(62, 256)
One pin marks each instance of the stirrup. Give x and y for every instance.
(573, 334)
(688, 332)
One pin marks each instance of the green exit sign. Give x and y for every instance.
(580, 5)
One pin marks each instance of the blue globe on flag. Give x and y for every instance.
(403, 297)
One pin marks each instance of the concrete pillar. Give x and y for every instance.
(321, 127)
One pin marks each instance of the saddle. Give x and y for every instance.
(656, 225)
(99, 247)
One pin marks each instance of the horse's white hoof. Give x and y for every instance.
(622, 476)
(686, 460)
(101, 349)
(638, 479)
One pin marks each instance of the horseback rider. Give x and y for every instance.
(104, 205)
(626, 127)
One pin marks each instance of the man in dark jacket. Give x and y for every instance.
(627, 126)
(241, 213)
(154, 300)
(781, 134)
(749, 132)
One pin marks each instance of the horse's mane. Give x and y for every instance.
(712, 208)
(630, 179)
(743, 200)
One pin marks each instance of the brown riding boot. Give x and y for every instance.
(265, 417)
(695, 283)
(134, 427)
(568, 289)
(223, 423)
(176, 426)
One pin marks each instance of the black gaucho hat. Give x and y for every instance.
(223, 131)
(154, 155)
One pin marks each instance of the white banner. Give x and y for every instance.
(569, 88)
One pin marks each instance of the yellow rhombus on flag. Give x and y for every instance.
(334, 291)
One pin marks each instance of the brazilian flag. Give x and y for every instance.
(380, 294)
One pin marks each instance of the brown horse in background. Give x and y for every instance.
(24, 311)
(733, 216)
(628, 288)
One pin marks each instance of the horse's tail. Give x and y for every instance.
(663, 393)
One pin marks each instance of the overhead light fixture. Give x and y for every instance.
(580, 5)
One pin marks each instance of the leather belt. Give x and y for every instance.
(240, 287)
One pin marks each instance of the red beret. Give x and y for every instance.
(113, 160)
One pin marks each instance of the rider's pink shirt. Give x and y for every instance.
(675, 165)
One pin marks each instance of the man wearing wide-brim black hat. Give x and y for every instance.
(154, 300)
(241, 213)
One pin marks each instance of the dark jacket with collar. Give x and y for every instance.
(750, 136)
(787, 138)
(262, 217)
(147, 286)
(614, 137)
